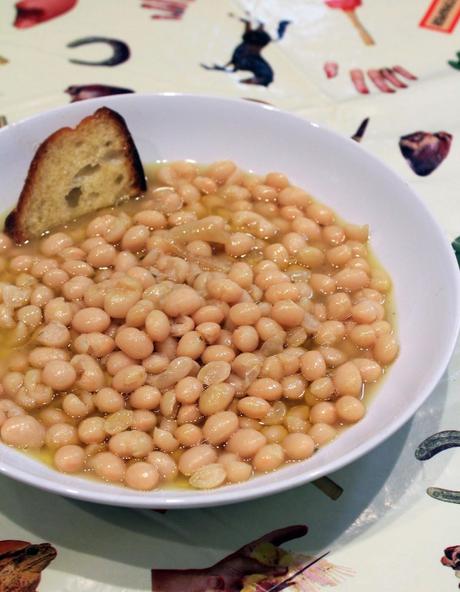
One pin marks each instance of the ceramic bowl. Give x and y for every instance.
(336, 170)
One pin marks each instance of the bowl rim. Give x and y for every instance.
(227, 495)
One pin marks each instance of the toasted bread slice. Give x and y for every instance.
(77, 171)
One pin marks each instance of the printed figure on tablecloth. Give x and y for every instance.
(386, 80)
(259, 566)
(425, 151)
(34, 12)
(451, 559)
(120, 51)
(434, 445)
(247, 55)
(21, 565)
(167, 9)
(92, 91)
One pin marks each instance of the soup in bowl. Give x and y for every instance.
(220, 336)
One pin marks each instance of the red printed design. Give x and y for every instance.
(34, 12)
(167, 9)
(349, 8)
(442, 16)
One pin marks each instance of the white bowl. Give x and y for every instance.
(337, 171)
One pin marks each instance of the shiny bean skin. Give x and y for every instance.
(338, 306)
(195, 458)
(58, 310)
(238, 471)
(90, 319)
(332, 356)
(134, 343)
(94, 344)
(59, 375)
(347, 380)
(293, 386)
(90, 375)
(287, 313)
(188, 414)
(323, 412)
(219, 427)
(268, 458)
(274, 433)
(218, 353)
(108, 400)
(23, 431)
(350, 409)
(369, 369)
(108, 467)
(142, 476)
(91, 430)
(363, 336)
(131, 444)
(312, 365)
(242, 274)
(298, 446)
(244, 313)
(54, 335)
(351, 280)
(188, 435)
(119, 300)
(245, 338)
(40, 356)
(253, 407)
(266, 388)
(216, 398)
(117, 361)
(245, 442)
(192, 345)
(322, 388)
(330, 332)
(157, 325)
(69, 459)
(143, 420)
(61, 434)
(386, 349)
(129, 378)
(182, 301)
(164, 464)
(322, 433)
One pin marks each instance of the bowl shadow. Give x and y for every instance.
(378, 487)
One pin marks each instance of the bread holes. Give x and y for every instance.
(73, 197)
(87, 171)
(112, 156)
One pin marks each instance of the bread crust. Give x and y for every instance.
(14, 223)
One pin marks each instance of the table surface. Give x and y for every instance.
(384, 532)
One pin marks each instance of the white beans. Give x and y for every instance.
(23, 431)
(221, 326)
(69, 459)
(131, 444)
(142, 476)
(195, 458)
(208, 477)
(268, 458)
(219, 427)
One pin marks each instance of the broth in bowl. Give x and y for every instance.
(217, 327)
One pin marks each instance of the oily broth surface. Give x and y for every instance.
(212, 206)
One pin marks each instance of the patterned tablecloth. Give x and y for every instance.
(336, 62)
